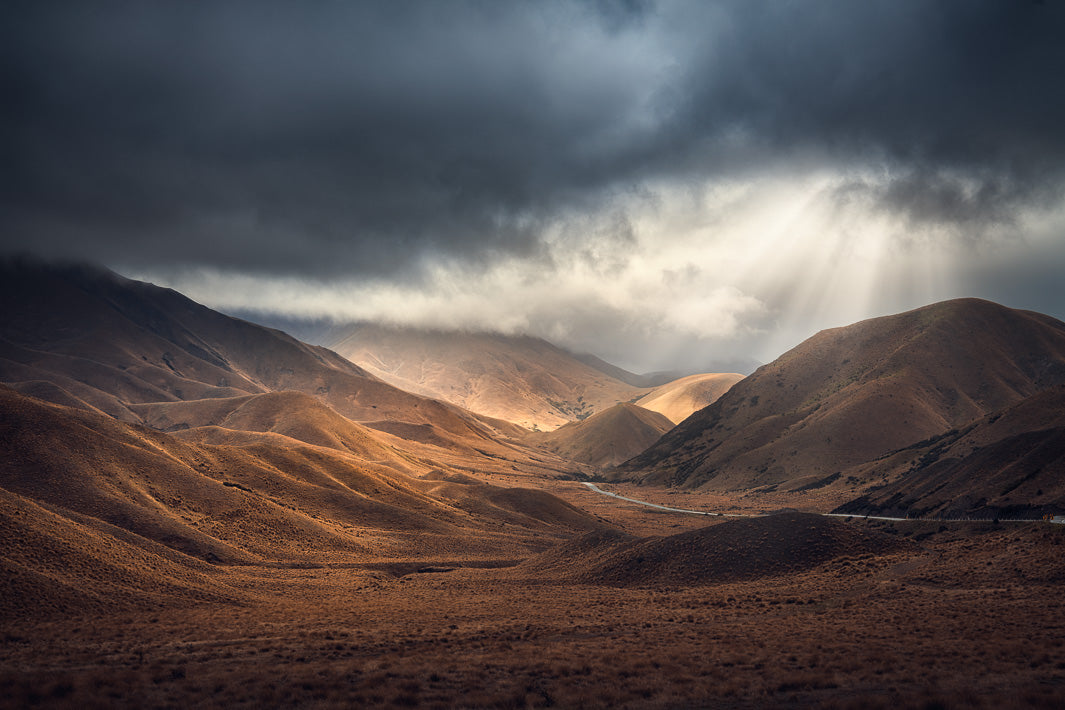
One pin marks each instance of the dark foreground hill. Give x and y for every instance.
(848, 396)
(736, 550)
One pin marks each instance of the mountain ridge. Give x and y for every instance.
(849, 395)
(521, 379)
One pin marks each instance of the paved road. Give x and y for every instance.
(597, 489)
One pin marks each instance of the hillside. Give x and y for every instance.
(86, 337)
(607, 438)
(726, 552)
(679, 399)
(848, 396)
(243, 498)
(1009, 464)
(519, 379)
(146, 435)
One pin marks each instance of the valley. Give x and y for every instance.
(506, 355)
(198, 511)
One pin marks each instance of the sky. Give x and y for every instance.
(663, 184)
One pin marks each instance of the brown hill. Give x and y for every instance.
(727, 552)
(523, 380)
(1008, 464)
(679, 399)
(292, 414)
(607, 438)
(848, 396)
(266, 497)
(110, 342)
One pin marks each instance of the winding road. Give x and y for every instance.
(597, 489)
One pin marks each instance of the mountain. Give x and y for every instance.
(141, 432)
(86, 337)
(608, 437)
(1010, 463)
(677, 400)
(518, 379)
(848, 396)
(651, 379)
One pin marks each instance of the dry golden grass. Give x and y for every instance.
(917, 629)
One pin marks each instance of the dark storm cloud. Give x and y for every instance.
(341, 137)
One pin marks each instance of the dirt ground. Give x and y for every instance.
(969, 617)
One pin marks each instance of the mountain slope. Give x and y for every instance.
(522, 379)
(108, 343)
(651, 379)
(679, 399)
(606, 438)
(849, 395)
(1010, 463)
(51, 564)
(265, 497)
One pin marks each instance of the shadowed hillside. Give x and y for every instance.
(727, 552)
(849, 395)
(83, 336)
(1009, 464)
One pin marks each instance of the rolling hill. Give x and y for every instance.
(679, 399)
(848, 396)
(145, 434)
(607, 438)
(236, 497)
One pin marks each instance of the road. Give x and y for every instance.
(597, 489)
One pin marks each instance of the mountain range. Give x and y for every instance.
(834, 410)
(136, 419)
(520, 379)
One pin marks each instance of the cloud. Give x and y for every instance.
(361, 137)
(639, 167)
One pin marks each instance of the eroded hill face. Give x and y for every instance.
(523, 380)
(848, 396)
